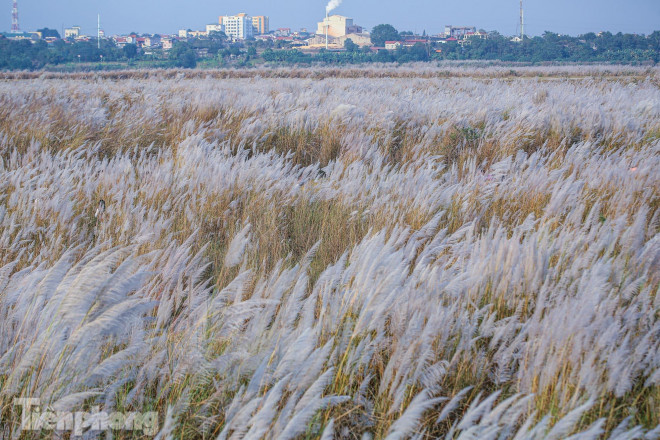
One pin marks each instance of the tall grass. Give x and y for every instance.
(377, 253)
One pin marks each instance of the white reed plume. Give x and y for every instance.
(237, 247)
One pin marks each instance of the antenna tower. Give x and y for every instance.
(522, 21)
(14, 17)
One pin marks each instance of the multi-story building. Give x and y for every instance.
(337, 26)
(458, 31)
(121, 41)
(238, 26)
(260, 25)
(72, 32)
(152, 41)
(213, 28)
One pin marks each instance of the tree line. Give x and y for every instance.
(605, 47)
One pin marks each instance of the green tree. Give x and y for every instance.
(183, 55)
(130, 51)
(382, 33)
(350, 46)
(419, 52)
(383, 56)
(188, 59)
(218, 35)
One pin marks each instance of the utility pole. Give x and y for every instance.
(522, 21)
(14, 17)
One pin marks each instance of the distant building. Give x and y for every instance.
(269, 37)
(361, 40)
(318, 41)
(213, 28)
(202, 52)
(167, 43)
(392, 45)
(197, 34)
(153, 41)
(301, 34)
(238, 27)
(458, 31)
(260, 25)
(413, 42)
(478, 34)
(121, 41)
(337, 26)
(72, 32)
(183, 33)
(21, 35)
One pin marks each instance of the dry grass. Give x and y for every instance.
(285, 250)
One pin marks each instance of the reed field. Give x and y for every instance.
(414, 252)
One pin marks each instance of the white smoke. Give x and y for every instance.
(332, 4)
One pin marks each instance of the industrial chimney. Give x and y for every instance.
(326, 29)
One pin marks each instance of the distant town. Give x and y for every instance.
(331, 33)
(247, 40)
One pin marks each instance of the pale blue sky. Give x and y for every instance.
(167, 16)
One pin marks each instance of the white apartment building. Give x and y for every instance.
(238, 26)
(72, 32)
(214, 28)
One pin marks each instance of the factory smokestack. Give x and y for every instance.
(332, 4)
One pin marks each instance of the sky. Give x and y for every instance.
(571, 17)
